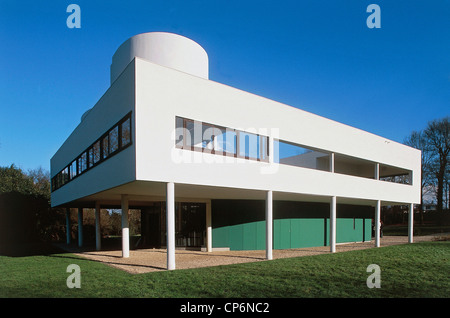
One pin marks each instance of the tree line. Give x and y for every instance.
(26, 214)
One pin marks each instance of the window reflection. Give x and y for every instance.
(209, 138)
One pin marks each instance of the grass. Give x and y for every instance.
(410, 270)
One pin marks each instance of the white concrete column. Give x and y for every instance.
(269, 224)
(80, 227)
(98, 237)
(377, 223)
(377, 171)
(68, 226)
(208, 227)
(333, 224)
(170, 217)
(331, 162)
(125, 227)
(411, 223)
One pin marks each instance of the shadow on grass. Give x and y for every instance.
(52, 250)
(107, 262)
(29, 249)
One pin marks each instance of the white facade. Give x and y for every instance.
(156, 88)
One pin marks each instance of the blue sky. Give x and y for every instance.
(319, 56)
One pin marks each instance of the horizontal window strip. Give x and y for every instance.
(214, 139)
(116, 139)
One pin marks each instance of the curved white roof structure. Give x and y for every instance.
(166, 49)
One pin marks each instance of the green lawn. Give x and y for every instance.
(410, 270)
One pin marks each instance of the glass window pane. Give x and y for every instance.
(300, 156)
(229, 142)
(214, 138)
(105, 146)
(179, 132)
(79, 166)
(65, 175)
(189, 133)
(90, 159)
(83, 161)
(96, 152)
(248, 145)
(114, 139)
(219, 140)
(126, 132)
(207, 137)
(73, 170)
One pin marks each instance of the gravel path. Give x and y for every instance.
(151, 260)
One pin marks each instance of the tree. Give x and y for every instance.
(41, 181)
(437, 135)
(418, 140)
(434, 143)
(36, 182)
(25, 211)
(13, 179)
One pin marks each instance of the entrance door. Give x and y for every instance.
(190, 225)
(151, 226)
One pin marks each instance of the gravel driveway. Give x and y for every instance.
(151, 260)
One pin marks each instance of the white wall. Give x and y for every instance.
(163, 93)
(120, 168)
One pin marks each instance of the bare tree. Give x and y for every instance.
(41, 181)
(437, 136)
(418, 140)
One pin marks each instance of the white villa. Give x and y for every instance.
(215, 167)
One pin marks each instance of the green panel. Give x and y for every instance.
(240, 224)
(282, 234)
(358, 235)
(296, 233)
(254, 236)
(220, 237)
(236, 237)
(368, 229)
(344, 230)
(291, 233)
(353, 230)
(285, 233)
(276, 234)
(311, 232)
(327, 234)
(249, 236)
(261, 235)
